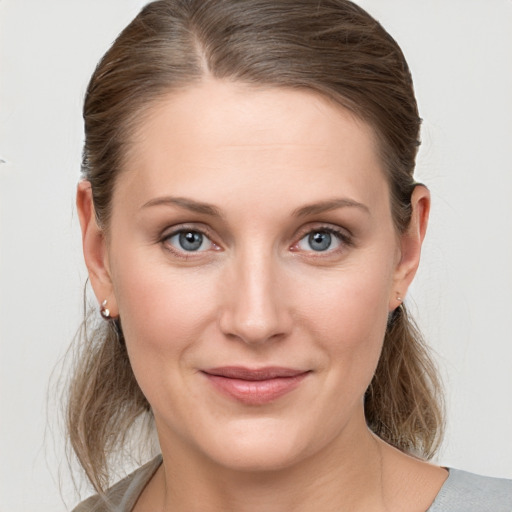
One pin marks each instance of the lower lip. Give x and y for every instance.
(256, 392)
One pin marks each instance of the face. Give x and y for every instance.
(253, 261)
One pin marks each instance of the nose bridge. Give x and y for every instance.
(256, 309)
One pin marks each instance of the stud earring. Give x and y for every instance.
(104, 311)
(399, 299)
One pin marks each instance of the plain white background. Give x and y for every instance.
(460, 53)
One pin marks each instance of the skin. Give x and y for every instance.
(258, 294)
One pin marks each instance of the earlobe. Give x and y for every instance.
(94, 247)
(410, 245)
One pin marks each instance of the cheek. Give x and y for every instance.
(163, 309)
(353, 301)
(164, 312)
(347, 315)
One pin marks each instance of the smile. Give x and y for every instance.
(255, 386)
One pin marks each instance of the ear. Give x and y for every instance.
(95, 248)
(410, 245)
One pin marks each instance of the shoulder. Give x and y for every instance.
(122, 496)
(467, 492)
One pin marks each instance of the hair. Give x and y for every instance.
(331, 47)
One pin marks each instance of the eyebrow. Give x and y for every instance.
(208, 209)
(188, 204)
(331, 204)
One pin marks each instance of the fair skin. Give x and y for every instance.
(251, 228)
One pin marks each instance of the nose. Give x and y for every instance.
(256, 310)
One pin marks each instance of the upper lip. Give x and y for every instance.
(240, 372)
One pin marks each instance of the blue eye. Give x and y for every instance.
(320, 241)
(189, 241)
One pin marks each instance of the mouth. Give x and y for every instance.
(255, 386)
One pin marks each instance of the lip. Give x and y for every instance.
(257, 386)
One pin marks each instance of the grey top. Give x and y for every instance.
(467, 492)
(123, 495)
(462, 492)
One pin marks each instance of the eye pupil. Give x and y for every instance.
(320, 240)
(191, 240)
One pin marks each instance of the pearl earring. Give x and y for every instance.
(104, 311)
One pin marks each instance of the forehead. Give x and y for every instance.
(230, 137)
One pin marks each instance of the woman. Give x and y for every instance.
(251, 226)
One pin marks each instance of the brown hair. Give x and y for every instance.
(332, 47)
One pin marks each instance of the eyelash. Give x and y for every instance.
(342, 236)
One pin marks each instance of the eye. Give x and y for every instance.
(322, 240)
(189, 240)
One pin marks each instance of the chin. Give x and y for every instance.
(256, 457)
(259, 446)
